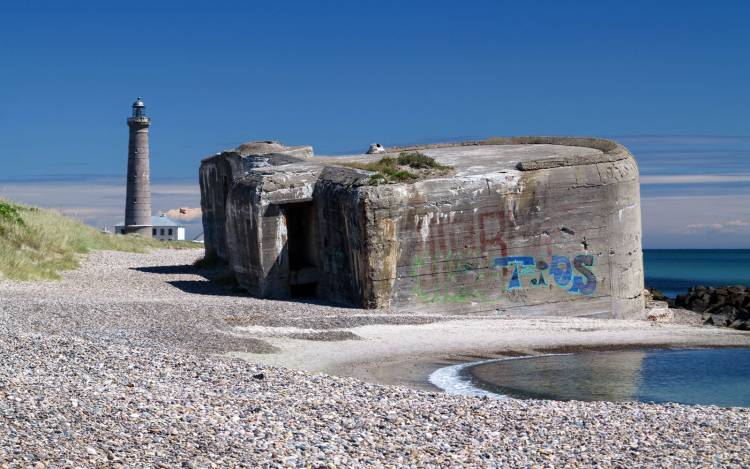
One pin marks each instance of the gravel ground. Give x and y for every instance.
(160, 299)
(106, 368)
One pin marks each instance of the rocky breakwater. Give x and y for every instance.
(722, 306)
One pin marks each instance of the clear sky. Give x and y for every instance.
(340, 75)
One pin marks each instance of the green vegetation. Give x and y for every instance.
(10, 213)
(38, 244)
(389, 170)
(417, 160)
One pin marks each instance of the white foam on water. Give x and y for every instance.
(450, 378)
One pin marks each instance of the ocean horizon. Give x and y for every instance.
(674, 271)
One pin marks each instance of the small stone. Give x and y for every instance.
(375, 148)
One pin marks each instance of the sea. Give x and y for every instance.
(718, 377)
(674, 271)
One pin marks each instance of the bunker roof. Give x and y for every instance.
(500, 154)
(467, 159)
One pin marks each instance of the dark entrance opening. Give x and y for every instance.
(305, 290)
(301, 249)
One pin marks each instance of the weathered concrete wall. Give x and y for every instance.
(342, 236)
(217, 176)
(257, 232)
(556, 237)
(545, 226)
(215, 179)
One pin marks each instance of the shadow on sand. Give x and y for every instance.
(219, 282)
(186, 269)
(214, 282)
(206, 287)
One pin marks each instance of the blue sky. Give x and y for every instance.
(668, 79)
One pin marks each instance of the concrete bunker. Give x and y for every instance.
(529, 225)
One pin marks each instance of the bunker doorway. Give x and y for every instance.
(301, 249)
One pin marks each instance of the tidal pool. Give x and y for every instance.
(698, 376)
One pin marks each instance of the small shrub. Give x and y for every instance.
(10, 213)
(389, 170)
(378, 178)
(381, 165)
(399, 175)
(417, 160)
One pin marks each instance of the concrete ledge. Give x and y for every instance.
(611, 151)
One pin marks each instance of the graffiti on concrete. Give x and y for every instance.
(473, 278)
(451, 262)
(575, 277)
(464, 258)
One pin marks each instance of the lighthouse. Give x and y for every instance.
(138, 196)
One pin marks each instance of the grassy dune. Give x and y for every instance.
(38, 244)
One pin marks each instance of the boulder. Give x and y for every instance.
(741, 325)
(721, 306)
(653, 298)
(660, 315)
(375, 148)
(681, 300)
(657, 295)
(737, 299)
(717, 320)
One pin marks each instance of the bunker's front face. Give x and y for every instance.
(514, 223)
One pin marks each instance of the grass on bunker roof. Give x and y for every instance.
(389, 170)
(38, 244)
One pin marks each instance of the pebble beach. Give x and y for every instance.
(124, 363)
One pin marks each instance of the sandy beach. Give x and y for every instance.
(407, 354)
(136, 359)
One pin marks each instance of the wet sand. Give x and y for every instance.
(408, 354)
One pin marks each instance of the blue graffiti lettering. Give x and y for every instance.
(581, 264)
(516, 261)
(559, 268)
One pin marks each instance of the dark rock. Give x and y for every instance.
(720, 297)
(740, 325)
(698, 304)
(717, 320)
(728, 310)
(736, 299)
(710, 309)
(721, 306)
(681, 300)
(259, 376)
(657, 295)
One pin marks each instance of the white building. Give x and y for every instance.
(162, 229)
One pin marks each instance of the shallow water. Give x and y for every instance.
(706, 376)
